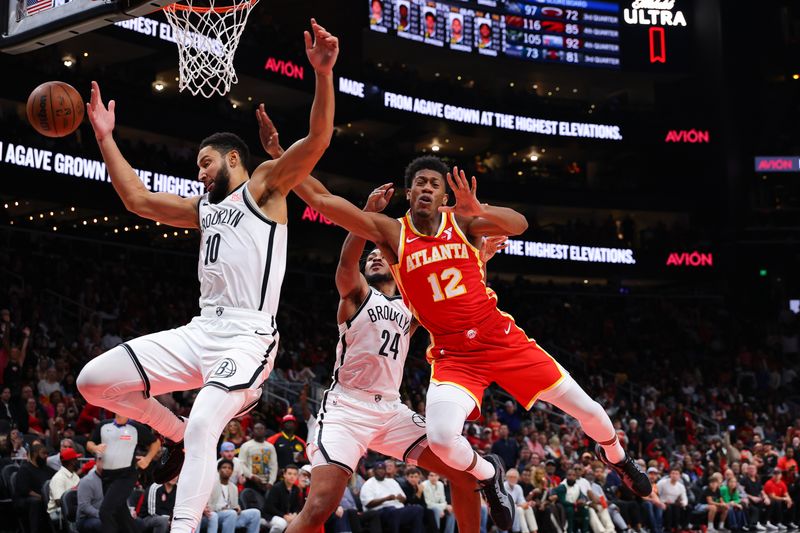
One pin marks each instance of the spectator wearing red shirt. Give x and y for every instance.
(780, 502)
(788, 465)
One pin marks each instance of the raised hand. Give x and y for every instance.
(323, 52)
(268, 133)
(492, 245)
(102, 119)
(379, 198)
(467, 204)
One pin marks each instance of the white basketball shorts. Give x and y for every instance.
(350, 421)
(229, 348)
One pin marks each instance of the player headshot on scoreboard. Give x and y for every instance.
(429, 28)
(376, 16)
(403, 13)
(484, 26)
(456, 28)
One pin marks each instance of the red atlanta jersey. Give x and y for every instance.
(441, 277)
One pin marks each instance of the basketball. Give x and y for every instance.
(55, 109)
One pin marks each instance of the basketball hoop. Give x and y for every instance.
(207, 33)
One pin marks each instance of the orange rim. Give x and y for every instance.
(224, 9)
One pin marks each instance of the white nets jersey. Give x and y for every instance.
(373, 345)
(242, 254)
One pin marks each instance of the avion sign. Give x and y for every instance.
(312, 215)
(778, 163)
(691, 136)
(284, 68)
(690, 259)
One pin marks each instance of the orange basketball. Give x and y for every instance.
(55, 109)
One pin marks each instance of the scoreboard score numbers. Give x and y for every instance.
(587, 33)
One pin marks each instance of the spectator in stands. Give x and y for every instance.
(62, 481)
(547, 503)
(90, 496)
(54, 461)
(780, 501)
(713, 505)
(788, 465)
(157, 513)
(290, 448)
(50, 383)
(225, 502)
(524, 519)
(737, 519)
(283, 501)
(260, 458)
(414, 493)
(392, 471)
(653, 506)
(600, 518)
(506, 447)
(8, 410)
(384, 495)
(349, 515)
(757, 500)
(13, 375)
(436, 500)
(672, 492)
(116, 441)
(241, 473)
(234, 433)
(574, 501)
(510, 417)
(30, 480)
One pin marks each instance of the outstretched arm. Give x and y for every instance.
(481, 219)
(349, 281)
(374, 227)
(282, 175)
(166, 208)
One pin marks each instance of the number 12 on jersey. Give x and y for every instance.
(453, 288)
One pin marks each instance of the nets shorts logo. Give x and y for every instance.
(225, 369)
(418, 419)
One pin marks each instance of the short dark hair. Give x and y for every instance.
(413, 470)
(291, 466)
(224, 462)
(224, 142)
(425, 162)
(675, 468)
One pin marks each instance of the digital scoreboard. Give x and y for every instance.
(591, 33)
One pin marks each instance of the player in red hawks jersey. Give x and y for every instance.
(435, 260)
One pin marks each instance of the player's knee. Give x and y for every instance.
(320, 506)
(440, 437)
(91, 382)
(201, 429)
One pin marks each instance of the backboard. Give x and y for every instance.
(27, 25)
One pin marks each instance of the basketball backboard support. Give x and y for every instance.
(28, 25)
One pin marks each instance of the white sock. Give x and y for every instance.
(483, 469)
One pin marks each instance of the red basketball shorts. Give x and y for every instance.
(495, 350)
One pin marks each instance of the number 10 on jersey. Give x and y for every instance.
(212, 248)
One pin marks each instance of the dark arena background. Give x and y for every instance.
(652, 146)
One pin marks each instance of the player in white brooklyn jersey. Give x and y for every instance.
(230, 348)
(362, 409)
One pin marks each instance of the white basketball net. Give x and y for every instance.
(207, 38)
